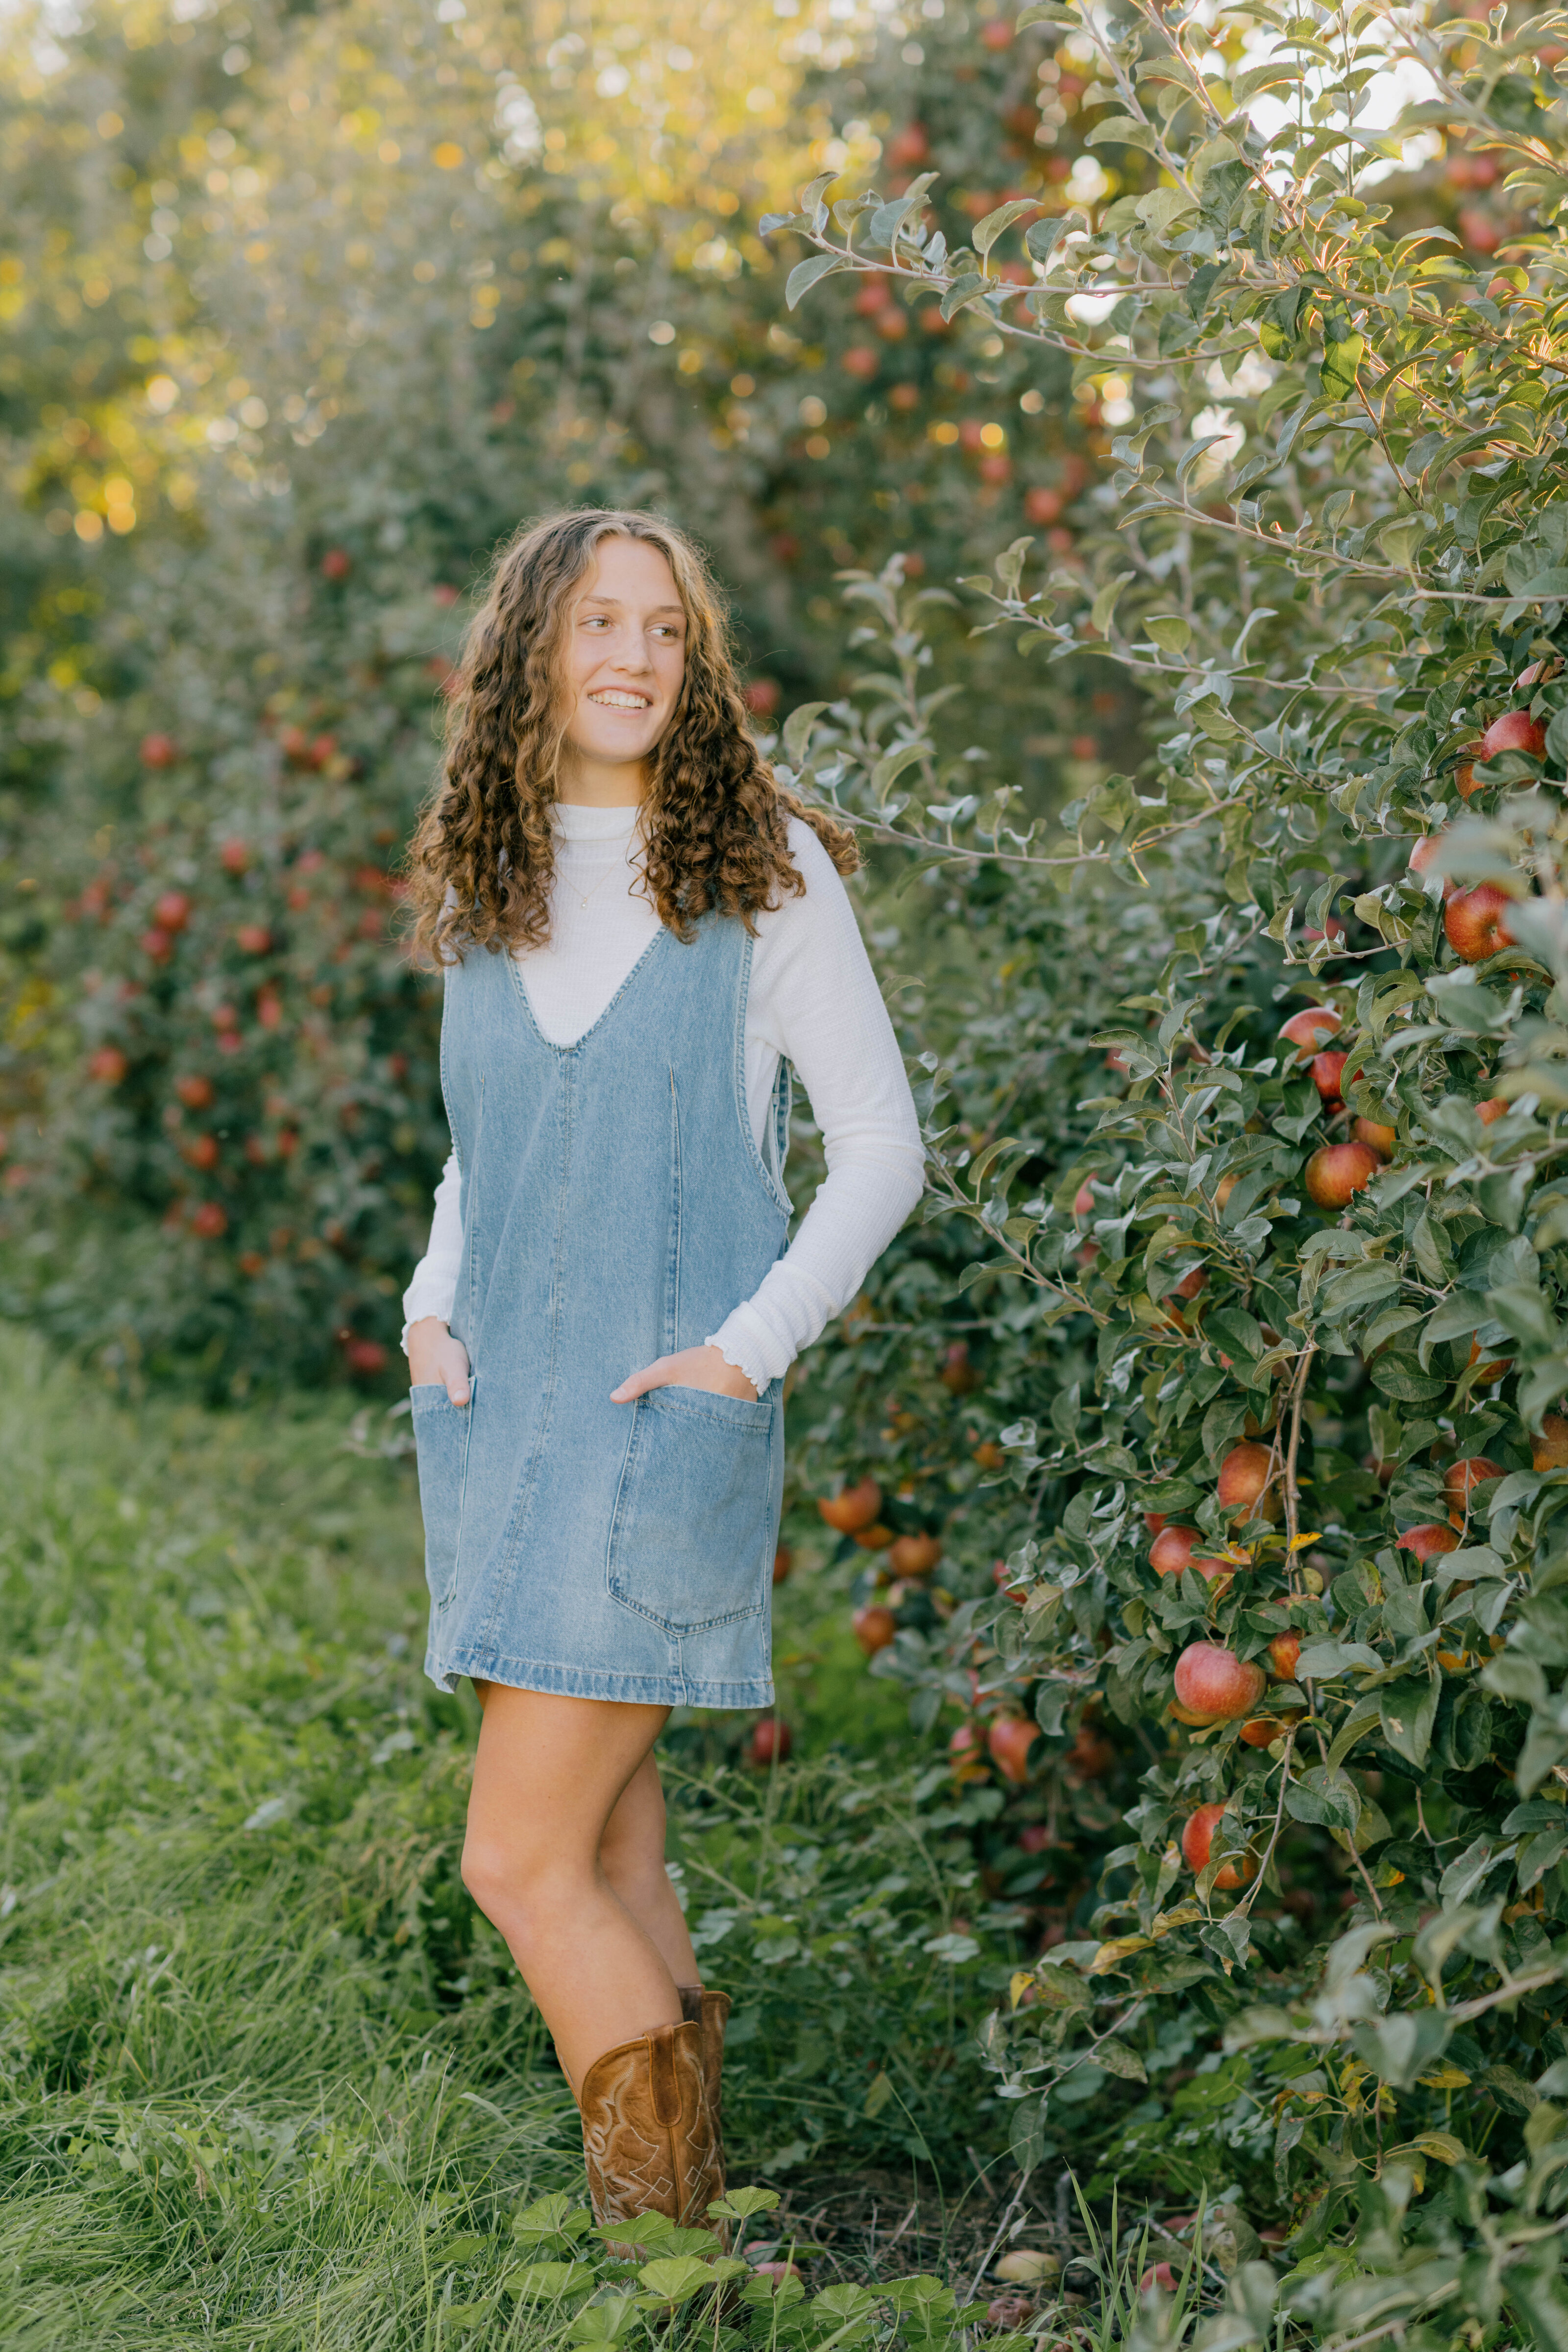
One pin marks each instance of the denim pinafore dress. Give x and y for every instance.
(615, 1208)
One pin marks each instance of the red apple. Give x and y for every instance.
(875, 1538)
(1493, 1107)
(957, 1374)
(202, 1152)
(1160, 2274)
(1090, 1756)
(1197, 1840)
(1261, 1731)
(1427, 1542)
(157, 943)
(873, 1628)
(854, 1508)
(1009, 1738)
(255, 938)
(194, 1092)
(1083, 1200)
(996, 33)
(771, 1740)
(1247, 1476)
(1515, 730)
(171, 910)
(1336, 1171)
(1327, 1072)
(108, 1065)
(209, 1221)
(1154, 1521)
(1283, 1652)
(784, 1560)
(1376, 1137)
(1475, 922)
(364, 1356)
(337, 563)
(1460, 1480)
(1174, 1550)
(159, 751)
(1496, 1371)
(1548, 1447)
(1308, 1030)
(234, 856)
(914, 1555)
(907, 147)
(1215, 1684)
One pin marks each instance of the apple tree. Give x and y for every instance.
(1267, 1266)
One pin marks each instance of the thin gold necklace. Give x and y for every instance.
(607, 875)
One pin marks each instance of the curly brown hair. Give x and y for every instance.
(482, 859)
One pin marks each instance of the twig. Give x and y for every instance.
(1244, 1906)
(1001, 2229)
(1367, 1878)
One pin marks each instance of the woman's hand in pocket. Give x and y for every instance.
(693, 1367)
(435, 1359)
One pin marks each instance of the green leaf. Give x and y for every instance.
(969, 287)
(534, 2281)
(1327, 1798)
(1040, 236)
(1319, 1660)
(809, 273)
(1122, 131)
(797, 729)
(679, 2278)
(1118, 2058)
(1340, 361)
(987, 231)
(891, 766)
(1409, 1709)
(1104, 604)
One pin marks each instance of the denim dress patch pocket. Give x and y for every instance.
(693, 1525)
(441, 1445)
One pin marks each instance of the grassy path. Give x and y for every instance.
(265, 2079)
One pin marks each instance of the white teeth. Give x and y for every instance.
(620, 701)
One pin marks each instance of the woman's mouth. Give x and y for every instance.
(612, 698)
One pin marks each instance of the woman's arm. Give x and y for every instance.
(433, 1354)
(816, 998)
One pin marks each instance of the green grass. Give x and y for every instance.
(266, 2079)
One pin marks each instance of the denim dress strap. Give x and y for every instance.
(615, 1208)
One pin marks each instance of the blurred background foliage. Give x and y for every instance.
(303, 310)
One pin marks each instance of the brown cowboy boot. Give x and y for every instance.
(648, 2135)
(710, 2012)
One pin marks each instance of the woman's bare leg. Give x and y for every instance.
(548, 1774)
(632, 1853)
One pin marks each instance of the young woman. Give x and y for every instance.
(639, 932)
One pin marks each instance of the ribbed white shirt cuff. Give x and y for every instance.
(425, 1295)
(744, 1341)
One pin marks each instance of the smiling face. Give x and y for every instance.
(623, 665)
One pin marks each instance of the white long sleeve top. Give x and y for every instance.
(814, 999)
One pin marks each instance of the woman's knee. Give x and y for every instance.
(512, 1885)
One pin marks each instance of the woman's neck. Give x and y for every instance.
(599, 783)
